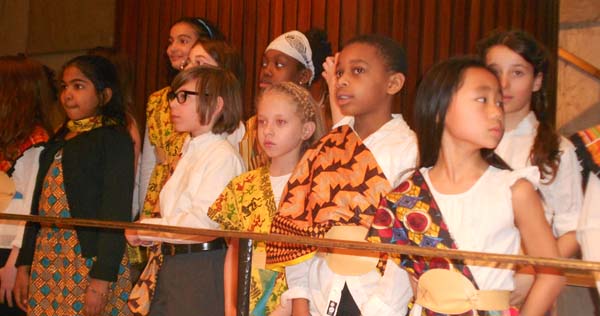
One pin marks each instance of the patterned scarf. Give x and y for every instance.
(409, 215)
(587, 143)
(337, 182)
(86, 124)
(168, 145)
(38, 137)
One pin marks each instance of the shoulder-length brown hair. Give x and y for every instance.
(212, 83)
(27, 89)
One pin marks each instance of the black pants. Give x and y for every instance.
(190, 285)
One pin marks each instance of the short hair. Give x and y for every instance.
(321, 49)
(212, 83)
(390, 50)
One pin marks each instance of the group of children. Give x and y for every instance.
(482, 170)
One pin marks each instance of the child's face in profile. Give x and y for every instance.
(280, 128)
(362, 79)
(277, 67)
(78, 94)
(184, 111)
(516, 76)
(475, 114)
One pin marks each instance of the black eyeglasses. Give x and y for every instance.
(180, 95)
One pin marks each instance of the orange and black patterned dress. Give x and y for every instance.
(59, 273)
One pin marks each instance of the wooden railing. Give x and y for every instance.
(579, 63)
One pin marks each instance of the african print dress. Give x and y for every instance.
(59, 273)
(248, 204)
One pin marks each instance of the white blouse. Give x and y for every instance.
(24, 177)
(563, 197)
(588, 232)
(482, 219)
(394, 146)
(208, 162)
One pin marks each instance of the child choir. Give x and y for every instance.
(482, 169)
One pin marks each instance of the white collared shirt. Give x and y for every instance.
(394, 146)
(563, 197)
(208, 162)
(148, 161)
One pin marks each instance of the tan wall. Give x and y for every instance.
(54, 31)
(578, 97)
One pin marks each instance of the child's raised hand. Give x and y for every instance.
(329, 69)
(330, 76)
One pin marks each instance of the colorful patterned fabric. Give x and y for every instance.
(86, 124)
(409, 215)
(168, 145)
(337, 182)
(248, 204)
(252, 154)
(59, 273)
(587, 143)
(38, 137)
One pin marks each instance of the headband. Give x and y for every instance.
(295, 45)
(205, 27)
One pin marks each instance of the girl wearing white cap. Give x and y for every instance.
(290, 57)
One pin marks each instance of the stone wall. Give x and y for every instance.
(578, 97)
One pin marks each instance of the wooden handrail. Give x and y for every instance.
(561, 263)
(580, 63)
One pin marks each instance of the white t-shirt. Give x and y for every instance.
(563, 197)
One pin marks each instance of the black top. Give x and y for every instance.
(98, 171)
